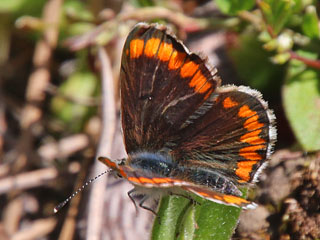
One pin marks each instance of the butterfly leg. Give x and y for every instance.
(132, 199)
(146, 207)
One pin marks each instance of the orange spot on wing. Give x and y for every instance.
(208, 93)
(113, 165)
(122, 173)
(152, 46)
(245, 112)
(165, 51)
(145, 180)
(252, 140)
(228, 103)
(217, 197)
(176, 60)
(206, 87)
(244, 169)
(136, 48)
(188, 69)
(163, 180)
(199, 82)
(252, 148)
(252, 123)
(234, 200)
(203, 194)
(250, 155)
(252, 137)
(108, 162)
(134, 179)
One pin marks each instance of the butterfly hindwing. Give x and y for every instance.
(234, 136)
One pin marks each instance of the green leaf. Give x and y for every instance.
(79, 28)
(301, 100)
(310, 24)
(182, 219)
(188, 225)
(169, 216)
(232, 7)
(142, 3)
(22, 7)
(10, 6)
(77, 10)
(277, 12)
(215, 221)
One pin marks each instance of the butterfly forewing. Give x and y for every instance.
(162, 85)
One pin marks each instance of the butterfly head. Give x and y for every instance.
(115, 165)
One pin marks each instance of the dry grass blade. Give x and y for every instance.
(96, 200)
(28, 180)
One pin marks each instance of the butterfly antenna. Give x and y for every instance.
(62, 204)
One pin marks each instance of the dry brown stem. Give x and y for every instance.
(64, 148)
(28, 180)
(38, 80)
(96, 200)
(39, 228)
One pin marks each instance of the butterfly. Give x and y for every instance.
(183, 131)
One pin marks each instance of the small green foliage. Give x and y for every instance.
(310, 25)
(80, 85)
(277, 12)
(77, 10)
(22, 7)
(301, 99)
(233, 7)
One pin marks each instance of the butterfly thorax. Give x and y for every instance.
(153, 164)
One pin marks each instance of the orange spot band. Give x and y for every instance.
(244, 169)
(188, 69)
(229, 103)
(152, 46)
(199, 82)
(235, 200)
(176, 60)
(136, 48)
(246, 112)
(165, 51)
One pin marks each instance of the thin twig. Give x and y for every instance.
(39, 229)
(183, 22)
(64, 148)
(38, 80)
(28, 180)
(69, 225)
(96, 200)
(309, 62)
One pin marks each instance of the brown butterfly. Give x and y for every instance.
(184, 132)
